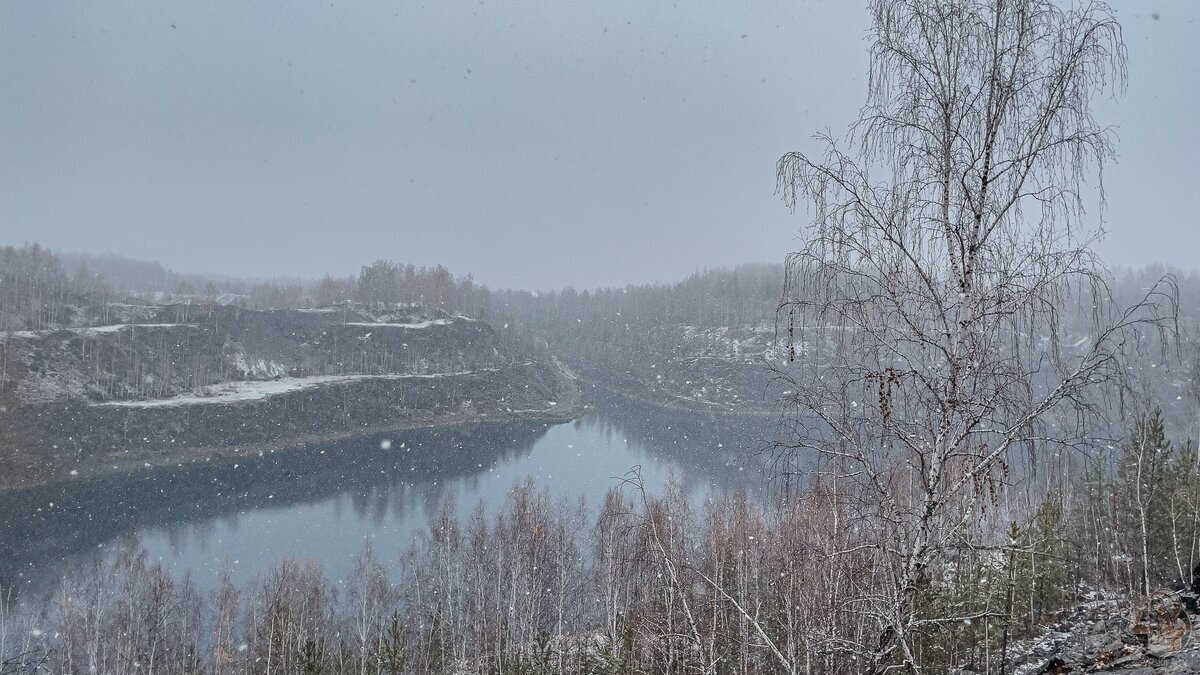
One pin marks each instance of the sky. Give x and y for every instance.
(534, 144)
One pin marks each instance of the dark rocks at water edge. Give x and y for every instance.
(164, 381)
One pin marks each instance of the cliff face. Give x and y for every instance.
(188, 377)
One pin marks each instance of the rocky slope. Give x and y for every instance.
(705, 369)
(214, 377)
(1106, 634)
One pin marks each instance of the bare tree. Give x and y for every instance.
(925, 304)
(369, 594)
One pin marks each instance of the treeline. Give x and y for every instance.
(34, 291)
(135, 276)
(707, 341)
(703, 342)
(728, 314)
(698, 343)
(646, 585)
(747, 294)
(39, 289)
(650, 584)
(1141, 503)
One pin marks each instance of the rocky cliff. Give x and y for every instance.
(169, 381)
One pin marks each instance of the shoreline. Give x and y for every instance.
(182, 454)
(675, 407)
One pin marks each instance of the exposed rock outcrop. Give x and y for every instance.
(1160, 636)
(215, 377)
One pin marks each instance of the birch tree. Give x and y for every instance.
(950, 237)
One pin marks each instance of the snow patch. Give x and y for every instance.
(86, 331)
(254, 390)
(419, 324)
(92, 331)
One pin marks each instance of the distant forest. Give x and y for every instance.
(41, 289)
(706, 340)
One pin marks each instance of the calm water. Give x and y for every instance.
(322, 502)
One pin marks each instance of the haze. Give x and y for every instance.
(533, 144)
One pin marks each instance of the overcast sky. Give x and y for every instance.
(536, 144)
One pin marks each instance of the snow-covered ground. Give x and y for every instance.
(97, 330)
(252, 390)
(88, 331)
(419, 324)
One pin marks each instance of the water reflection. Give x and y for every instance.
(322, 502)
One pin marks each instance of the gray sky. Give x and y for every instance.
(535, 144)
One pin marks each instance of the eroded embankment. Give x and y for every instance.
(86, 400)
(56, 440)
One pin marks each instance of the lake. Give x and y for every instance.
(321, 502)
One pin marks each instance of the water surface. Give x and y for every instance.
(323, 502)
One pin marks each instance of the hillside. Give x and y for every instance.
(707, 343)
(170, 377)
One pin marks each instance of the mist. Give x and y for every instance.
(536, 144)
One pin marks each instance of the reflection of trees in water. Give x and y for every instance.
(192, 505)
(43, 528)
(715, 448)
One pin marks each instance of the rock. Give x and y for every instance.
(1055, 666)
(230, 377)
(1183, 663)
(1159, 651)
(1158, 636)
(1191, 602)
(1130, 659)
